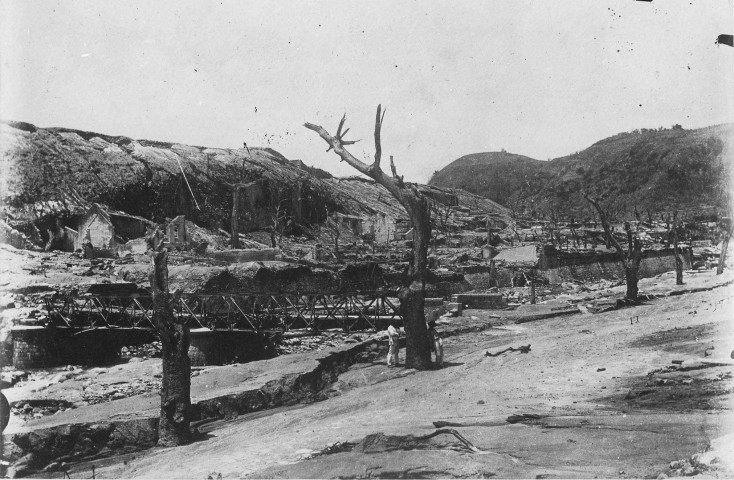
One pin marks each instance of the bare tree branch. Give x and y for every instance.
(378, 144)
(394, 186)
(604, 218)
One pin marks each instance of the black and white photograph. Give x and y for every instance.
(389, 239)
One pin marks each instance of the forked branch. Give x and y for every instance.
(378, 144)
(395, 173)
(605, 224)
(393, 185)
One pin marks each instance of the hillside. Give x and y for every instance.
(47, 172)
(657, 170)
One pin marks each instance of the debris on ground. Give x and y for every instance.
(379, 442)
(521, 349)
(523, 417)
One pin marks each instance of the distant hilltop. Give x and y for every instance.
(653, 170)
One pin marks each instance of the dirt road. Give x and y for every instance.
(610, 399)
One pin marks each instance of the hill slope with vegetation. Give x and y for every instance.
(652, 170)
(51, 172)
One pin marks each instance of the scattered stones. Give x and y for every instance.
(27, 409)
(144, 351)
(101, 393)
(317, 342)
(13, 377)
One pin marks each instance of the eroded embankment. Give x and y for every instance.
(47, 449)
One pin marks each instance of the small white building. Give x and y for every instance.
(105, 228)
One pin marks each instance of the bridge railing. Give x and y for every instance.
(256, 312)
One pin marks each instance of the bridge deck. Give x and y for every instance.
(229, 312)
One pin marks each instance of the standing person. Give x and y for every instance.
(436, 343)
(394, 337)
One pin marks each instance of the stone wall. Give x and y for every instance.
(33, 348)
(100, 232)
(557, 266)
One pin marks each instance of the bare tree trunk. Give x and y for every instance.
(173, 427)
(51, 240)
(724, 248)
(412, 296)
(678, 259)
(337, 254)
(489, 232)
(630, 274)
(298, 201)
(631, 259)
(235, 217)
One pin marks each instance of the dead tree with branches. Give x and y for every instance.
(440, 221)
(412, 295)
(630, 259)
(727, 202)
(678, 259)
(280, 220)
(175, 416)
(332, 230)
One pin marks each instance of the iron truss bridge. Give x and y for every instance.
(228, 312)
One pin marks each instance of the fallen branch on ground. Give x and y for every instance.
(451, 431)
(523, 417)
(521, 349)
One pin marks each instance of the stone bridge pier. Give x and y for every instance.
(45, 347)
(216, 347)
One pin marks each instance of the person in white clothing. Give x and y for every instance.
(392, 354)
(436, 344)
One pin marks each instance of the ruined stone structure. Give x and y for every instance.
(105, 228)
(353, 223)
(381, 226)
(176, 232)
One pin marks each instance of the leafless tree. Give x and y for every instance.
(236, 188)
(728, 224)
(574, 235)
(630, 259)
(175, 416)
(280, 220)
(440, 215)
(412, 295)
(331, 228)
(672, 226)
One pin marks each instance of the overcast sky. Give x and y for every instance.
(538, 78)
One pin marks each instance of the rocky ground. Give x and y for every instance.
(603, 391)
(640, 392)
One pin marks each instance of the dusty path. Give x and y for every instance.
(586, 374)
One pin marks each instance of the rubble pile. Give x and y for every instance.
(31, 409)
(317, 342)
(94, 393)
(9, 378)
(145, 351)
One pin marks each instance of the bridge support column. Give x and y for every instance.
(220, 347)
(33, 347)
(204, 349)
